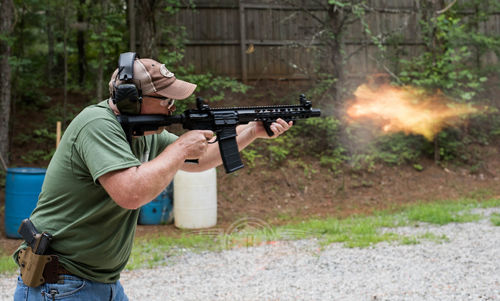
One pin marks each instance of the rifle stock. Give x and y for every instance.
(222, 121)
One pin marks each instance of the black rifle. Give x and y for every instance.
(222, 121)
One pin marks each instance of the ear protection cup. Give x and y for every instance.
(127, 97)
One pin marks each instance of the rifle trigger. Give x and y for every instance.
(212, 142)
(217, 137)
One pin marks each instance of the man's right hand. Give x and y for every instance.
(194, 143)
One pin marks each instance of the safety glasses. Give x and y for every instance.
(165, 101)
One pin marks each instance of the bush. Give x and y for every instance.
(318, 137)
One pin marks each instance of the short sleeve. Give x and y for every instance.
(165, 139)
(103, 147)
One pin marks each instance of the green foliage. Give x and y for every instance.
(399, 148)
(451, 62)
(39, 136)
(453, 45)
(250, 157)
(105, 40)
(394, 149)
(153, 251)
(364, 231)
(449, 145)
(37, 155)
(321, 86)
(314, 137)
(443, 213)
(334, 160)
(316, 134)
(418, 167)
(7, 264)
(495, 219)
(445, 71)
(280, 149)
(494, 202)
(44, 142)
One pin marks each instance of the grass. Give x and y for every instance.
(153, 251)
(443, 213)
(7, 264)
(495, 219)
(356, 231)
(364, 231)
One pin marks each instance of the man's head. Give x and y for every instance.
(156, 84)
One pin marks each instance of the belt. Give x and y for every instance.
(62, 271)
(53, 270)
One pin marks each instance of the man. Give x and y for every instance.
(96, 181)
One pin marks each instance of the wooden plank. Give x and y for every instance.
(243, 43)
(224, 51)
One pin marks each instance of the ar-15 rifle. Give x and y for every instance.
(222, 121)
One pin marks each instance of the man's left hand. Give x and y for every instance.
(278, 127)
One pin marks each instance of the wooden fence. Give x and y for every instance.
(252, 39)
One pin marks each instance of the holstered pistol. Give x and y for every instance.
(32, 266)
(33, 259)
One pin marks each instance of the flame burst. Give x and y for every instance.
(406, 109)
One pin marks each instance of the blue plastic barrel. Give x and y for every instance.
(158, 211)
(22, 188)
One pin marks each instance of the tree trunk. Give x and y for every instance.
(65, 63)
(50, 44)
(100, 69)
(80, 42)
(430, 10)
(6, 27)
(335, 46)
(146, 17)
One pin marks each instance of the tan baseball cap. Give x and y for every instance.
(153, 77)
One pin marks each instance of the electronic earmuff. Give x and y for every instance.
(127, 97)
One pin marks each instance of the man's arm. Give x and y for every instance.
(133, 187)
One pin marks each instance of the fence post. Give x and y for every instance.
(243, 42)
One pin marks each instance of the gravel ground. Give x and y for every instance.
(465, 267)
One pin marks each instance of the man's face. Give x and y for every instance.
(157, 105)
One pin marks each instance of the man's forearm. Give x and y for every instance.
(133, 187)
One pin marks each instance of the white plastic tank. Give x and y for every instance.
(195, 199)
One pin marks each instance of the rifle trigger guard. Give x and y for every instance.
(212, 142)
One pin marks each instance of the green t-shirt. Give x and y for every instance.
(92, 235)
